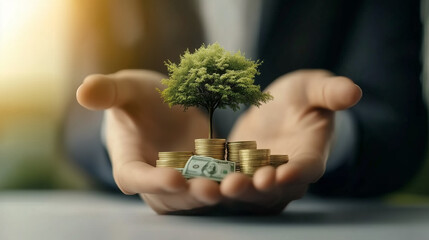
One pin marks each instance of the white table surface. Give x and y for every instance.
(90, 215)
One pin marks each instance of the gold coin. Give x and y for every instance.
(219, 157)
(174, 156)
(175, 153)
(254, 152)
(252, 159)
(175, 163)
(210, 140)
(214, 148)
(234, 147)
(277, 160)
(242, 142)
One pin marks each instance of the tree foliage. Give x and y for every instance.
(212, 78)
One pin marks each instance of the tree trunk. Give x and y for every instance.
(211, 123)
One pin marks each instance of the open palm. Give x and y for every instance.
(298, 122)
(138, 125)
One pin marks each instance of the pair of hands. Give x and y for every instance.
(298, 122)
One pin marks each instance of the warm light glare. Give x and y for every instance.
(34, 37)
(32, 54)
(30, 36)
(14, 15)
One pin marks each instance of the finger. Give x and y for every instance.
(264, 179)
(117, 90)
(98, 92)
(201, 193)
(139, 177)
(235, 184)
(304, 169)
(239, 187)
(205, 191)
(333, 93)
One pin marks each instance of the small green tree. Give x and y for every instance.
(212, 78)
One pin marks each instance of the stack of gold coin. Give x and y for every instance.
(214, 148)
(252, 159)
(173, 159)
(234, 147)
(277, 160)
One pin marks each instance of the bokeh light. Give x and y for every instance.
(34, 92)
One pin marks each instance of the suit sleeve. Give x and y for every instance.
(84, 145)
(382, 56)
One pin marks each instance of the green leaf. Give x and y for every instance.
(213, 77)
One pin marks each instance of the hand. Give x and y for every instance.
(298, 122)
(138, 126)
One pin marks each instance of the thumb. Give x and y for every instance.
(99, 92)
(333, 93)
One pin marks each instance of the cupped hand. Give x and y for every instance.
(138, 125)
(299, 123)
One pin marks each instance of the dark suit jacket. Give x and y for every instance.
(375, 43)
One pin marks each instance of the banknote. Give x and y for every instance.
(214, 169)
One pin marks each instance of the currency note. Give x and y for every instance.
(214, 169)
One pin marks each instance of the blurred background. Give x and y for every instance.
(46, 48)
(35, 88)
